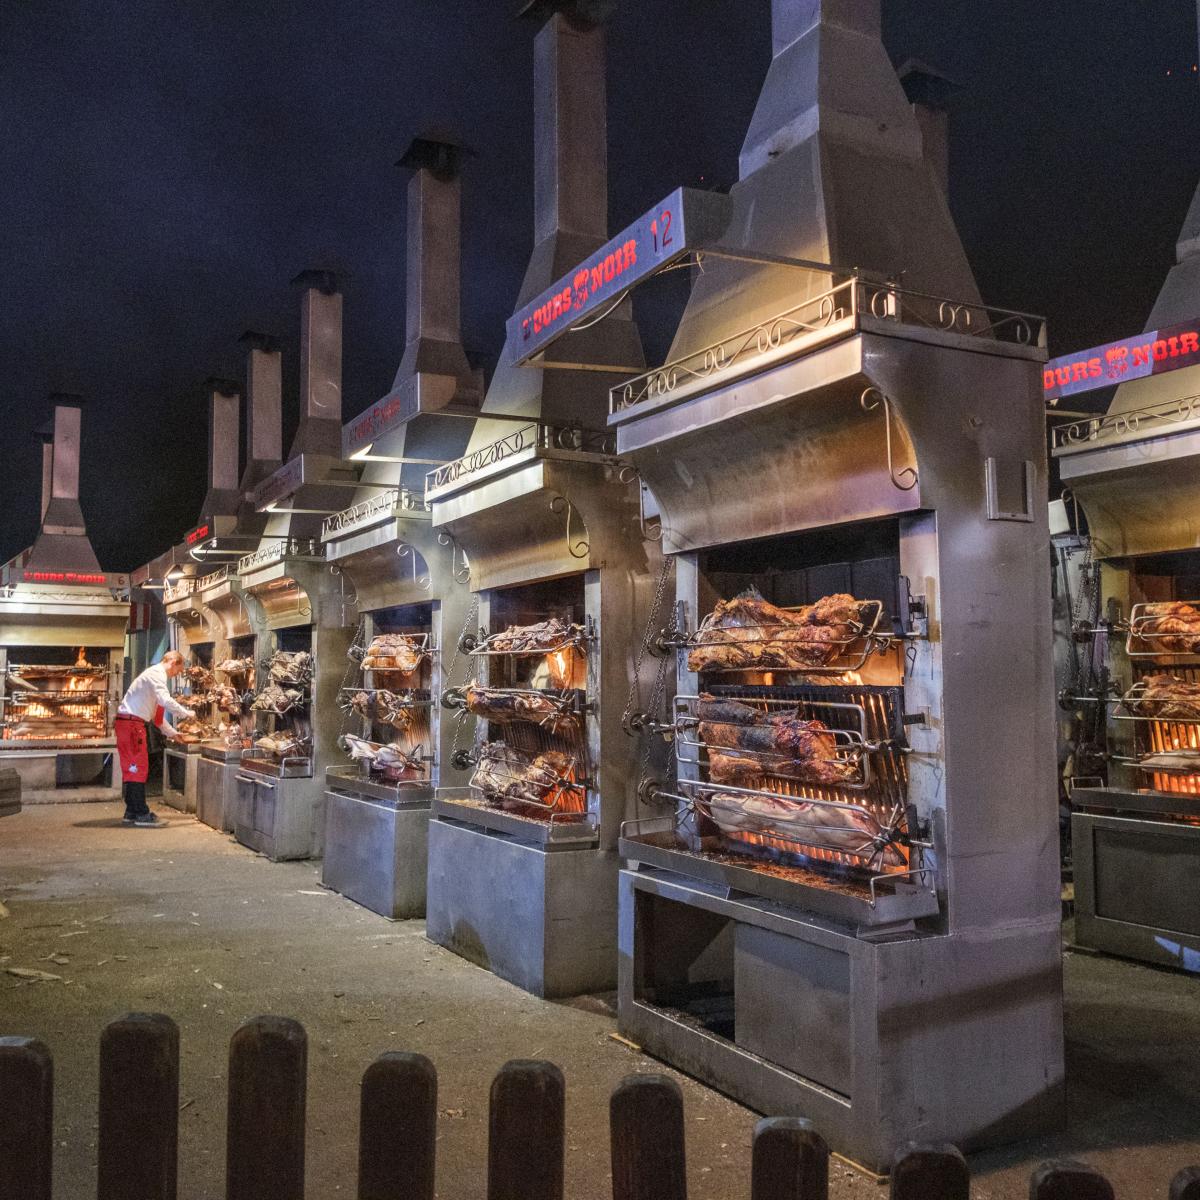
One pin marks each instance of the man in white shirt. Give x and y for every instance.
(146, 703)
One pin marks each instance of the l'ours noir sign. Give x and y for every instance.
(1152, 353)
(686, 221)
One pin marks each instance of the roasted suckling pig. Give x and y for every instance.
(746, 745)
(1167, 698)
(394, 652)
(503, 705)
(514, 779)
(278, 700)
(839, 827)
(283, 745)
(291, 667)
(14, 683)
(750, 633)
(392, 761)
(1173, 628)
(235, 666)
(542, 638)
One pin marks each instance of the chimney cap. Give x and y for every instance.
(926, 85)
(224, 387)
(72, 399)
(439, 153)
(44, 432)
(321, 278)
(582, 14)
(259, 341)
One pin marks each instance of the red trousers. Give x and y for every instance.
(133, 746)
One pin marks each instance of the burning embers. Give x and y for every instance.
(1166, 706)
(51, 703)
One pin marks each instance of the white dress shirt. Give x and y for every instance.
(147, 692)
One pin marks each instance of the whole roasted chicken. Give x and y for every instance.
(401, 652)
(283, 745)
(235, 666)
(1173, 628)
(191, 730)
(750, 633)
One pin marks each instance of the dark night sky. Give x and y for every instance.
(168, 165)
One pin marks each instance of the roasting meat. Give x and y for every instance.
(392, 761)
(1168, 699)
(1172, 628)
(779, 744)
(14, 682)
(750, 633)
(201, 678)
(191, 731)
(283, 745)
(389, 708)
(225, 698)
(542, 638)
(401, 652)
(514, 779)
(236, 666)
(844, 828)
(504, 705)
(291, 667)
(278, 700)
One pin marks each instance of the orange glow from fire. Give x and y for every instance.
(1167, 736)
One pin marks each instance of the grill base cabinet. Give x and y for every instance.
(878, 1041)
(279, 817)
(180, 779)
(376, 850)
(513, 908)
(216, 793)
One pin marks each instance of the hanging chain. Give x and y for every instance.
(460, 717)
(353, 667)
(634, 719)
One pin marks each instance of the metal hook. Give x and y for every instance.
(580, 547)
(870, 400)
(628, 473)
(460, 572)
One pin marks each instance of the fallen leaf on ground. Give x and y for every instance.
(451, 1112)
(3, 910)
(30, 973)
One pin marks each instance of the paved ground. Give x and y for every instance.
(185, 922)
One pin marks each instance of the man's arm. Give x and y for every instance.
(170, 704)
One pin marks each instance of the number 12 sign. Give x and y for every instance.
(686, 221)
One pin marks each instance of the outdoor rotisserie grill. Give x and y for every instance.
(863, 463)
(408, 580)
(62, 626)
(522, 859)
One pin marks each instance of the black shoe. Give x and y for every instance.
(128, 818)
(149, 820)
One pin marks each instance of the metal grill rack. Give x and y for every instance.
(1144, 641)
(576, 637)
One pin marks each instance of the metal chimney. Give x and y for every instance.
(63, 543)
(929, 93)
(264, 407)
(320, 427)
(45, 434)
(570, 221)
(833, 170)
(224, 436)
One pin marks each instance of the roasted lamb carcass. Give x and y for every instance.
(401, 652)
(1167, 698)
(504, 705)
(1172, 628)
(750, 633)
(515, 779)
(276, 699)
(542, 638)
(235, 666)
(291, 667)
(838, 827)
(780, 744)
(388, 708)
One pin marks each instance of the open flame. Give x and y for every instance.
(1167, 736)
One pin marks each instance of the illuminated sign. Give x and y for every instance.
(198, 534)
(283, 483)
(1152, 353)
(370, 425)
(686, 221)
(64, 577)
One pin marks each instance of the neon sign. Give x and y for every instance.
(198, 534)
(686, 221)
(1152, 353)
(64, 577)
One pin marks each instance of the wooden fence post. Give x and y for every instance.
(1062, 1179)
(646, 1127)
(139, 1108)
(26, 1119)
(1186, 1184)
(930, 1173)
(397, 1138)
(790, 1161)
(526, 1132)
(264, 1153)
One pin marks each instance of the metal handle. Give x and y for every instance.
(891, 876)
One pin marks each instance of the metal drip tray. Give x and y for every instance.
(185, 748)
(1161, 804)
(415, 794)
(293, 769)
(221, 754)
(852, 900)
(467, 806)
